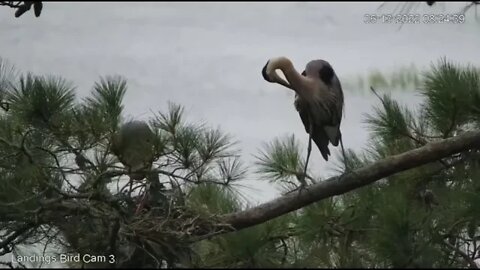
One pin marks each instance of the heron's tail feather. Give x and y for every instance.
(333, 133)
(321, 139)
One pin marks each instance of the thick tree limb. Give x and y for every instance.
(355, 179)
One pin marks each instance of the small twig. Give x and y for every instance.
(207, 236)
(474, 3)
(204, 162)
(66, 144)
(18, 262)
(5, 106)
(149, 253)
(57, 162)
(462, 254)
(11, 4)
(8, 264)
(49, 240)
(475, 249)
(417, 140)
(458, 222)
(285, 251)
(24, 149)
(17, 203)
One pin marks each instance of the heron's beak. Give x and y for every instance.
(264, 73)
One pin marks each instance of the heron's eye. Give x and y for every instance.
(304, 73)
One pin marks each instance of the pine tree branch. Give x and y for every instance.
(361, 177)
(418, 140)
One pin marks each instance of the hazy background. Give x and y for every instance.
(208, 57)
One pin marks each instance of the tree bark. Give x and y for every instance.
(358, 178)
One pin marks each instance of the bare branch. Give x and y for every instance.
(361, 177)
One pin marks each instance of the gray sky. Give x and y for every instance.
(208, 57)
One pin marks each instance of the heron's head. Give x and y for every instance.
(320, 69)
(270, 74)
(265, 74)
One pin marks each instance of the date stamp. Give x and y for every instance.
(414, 18)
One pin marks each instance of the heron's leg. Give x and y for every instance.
(347, 169)
(309, 151)
(303, 183)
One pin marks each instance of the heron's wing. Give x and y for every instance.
(302, 111)
(301, 108)
(333, 134)
(320, 138)
(336, 107)
(319, 135)
(340, 103)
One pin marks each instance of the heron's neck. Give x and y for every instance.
(295, 79)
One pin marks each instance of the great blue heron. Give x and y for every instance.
(319, 100)
(133, 144)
